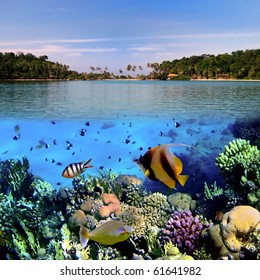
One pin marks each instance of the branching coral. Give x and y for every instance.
(212, 191)
(239, 159)
(184, 230)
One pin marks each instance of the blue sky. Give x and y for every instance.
(103, 33)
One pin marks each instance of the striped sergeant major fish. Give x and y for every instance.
(74, 169)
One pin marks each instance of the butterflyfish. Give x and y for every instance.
(74, 169)
(159, 164)
(108, 233)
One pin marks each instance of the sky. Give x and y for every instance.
(115, 33)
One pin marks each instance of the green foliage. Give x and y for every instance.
(237, 65)
(28, 66)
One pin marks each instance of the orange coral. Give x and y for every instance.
(113, 205)
(237, 224)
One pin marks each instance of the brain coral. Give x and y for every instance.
(237, 224)
(182, 201)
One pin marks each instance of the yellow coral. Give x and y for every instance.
(238, 224)
(85, 253)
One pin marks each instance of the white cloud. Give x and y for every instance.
(211, 35)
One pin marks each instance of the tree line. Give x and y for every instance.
(28, 66)
(237, 65)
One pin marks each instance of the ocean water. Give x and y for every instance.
(122, 120)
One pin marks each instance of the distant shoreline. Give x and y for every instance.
(225, 80)
(127, 79)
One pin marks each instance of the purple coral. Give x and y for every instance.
(183, 230)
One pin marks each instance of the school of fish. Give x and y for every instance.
(157, 164)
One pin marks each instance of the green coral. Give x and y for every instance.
(171, 252)
(28, 213)
(253, 199)
(153, 244)
(14, 177)
(212, 191)
(201, 254)
(240, 163)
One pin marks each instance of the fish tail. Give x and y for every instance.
(182, 179)
(83, 236)
(86, 164)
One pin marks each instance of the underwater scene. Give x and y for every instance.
(129, 170)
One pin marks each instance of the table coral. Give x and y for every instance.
(237, 224)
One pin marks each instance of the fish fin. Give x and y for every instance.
(84, 236)
(182, 179)
(177, 165)
(147, 173)
(86, 164)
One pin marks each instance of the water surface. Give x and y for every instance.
(125, 119)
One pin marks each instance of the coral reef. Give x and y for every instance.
(127, 180)
(237, 224)
(235, 232)
(40, 222)
(182, 201)
(29, 216)
(112, 205)
(171, 252)
(184, 230)
(212, 191)
(156, 209)
(78, 218)
(240, 164)
(247, 129)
